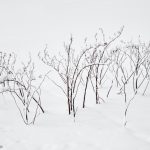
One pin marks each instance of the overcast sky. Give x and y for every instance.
(30, 24)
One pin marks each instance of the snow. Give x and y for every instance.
(97, 127)
(28, 27)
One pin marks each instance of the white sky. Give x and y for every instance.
(27, 25)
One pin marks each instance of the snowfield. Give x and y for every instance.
(74, 75)
(97, 127)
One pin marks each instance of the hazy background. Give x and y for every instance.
(27, 25)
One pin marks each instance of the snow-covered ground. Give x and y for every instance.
(97, 127)
(28, 26)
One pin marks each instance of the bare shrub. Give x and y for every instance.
(103, 56)
(70, 67)
(20, 84)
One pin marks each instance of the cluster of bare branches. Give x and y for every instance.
(100, 55)
(91, 64)
(131, 66)
(69, 68)
(20, 85)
